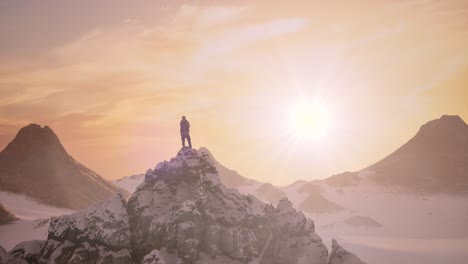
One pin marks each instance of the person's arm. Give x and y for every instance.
(188, 124)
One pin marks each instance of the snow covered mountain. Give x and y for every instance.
(181, 213)
(36, 164)
(130, 183)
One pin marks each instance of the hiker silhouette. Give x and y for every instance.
(185, 132)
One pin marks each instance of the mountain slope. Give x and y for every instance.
(35, 163)
(435, 160)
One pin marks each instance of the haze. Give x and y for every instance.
(113, 78)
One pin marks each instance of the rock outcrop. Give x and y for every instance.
(28, 251)
(183, 207)
(99, 234)
(339, 255)
(181, 213)
(6, 258)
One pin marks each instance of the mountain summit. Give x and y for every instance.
(449, 131)
(181, 213)
(35, 163)
(435, 160)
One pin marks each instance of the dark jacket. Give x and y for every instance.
(184, 126)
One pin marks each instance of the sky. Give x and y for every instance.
(113, 78)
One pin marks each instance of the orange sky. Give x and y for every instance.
(113, 78)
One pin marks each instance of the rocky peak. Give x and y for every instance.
(445, 129)
(181, 213)
(36, 164)
(183, 209)
(284, 205)
(453, 121)
(189, 164)
(34, 138)
(435, 160)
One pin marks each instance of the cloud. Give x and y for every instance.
(135, 59)
(239, 37)
(207, 16)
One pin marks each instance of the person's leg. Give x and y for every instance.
(189, 141)
(182, 136)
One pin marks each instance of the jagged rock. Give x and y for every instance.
(105, 222)
(88, 253)
(293, 239)
(180, 214)
(163, 257)
(339, 255)
(99, 234)
(154, 257)
(6, 258)
(28, 250)
(183, 207)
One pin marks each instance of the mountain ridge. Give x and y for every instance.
(433, 161)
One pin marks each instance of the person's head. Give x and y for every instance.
(183, 117)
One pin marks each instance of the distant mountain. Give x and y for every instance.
(435, 160)
(269, 193)
(130, 183)
(5, 216)
(229, 177)
(315, 202)
(36, 164)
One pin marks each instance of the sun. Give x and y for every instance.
(309, 121)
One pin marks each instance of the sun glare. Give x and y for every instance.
(309, 121)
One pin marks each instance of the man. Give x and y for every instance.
(185, 132)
